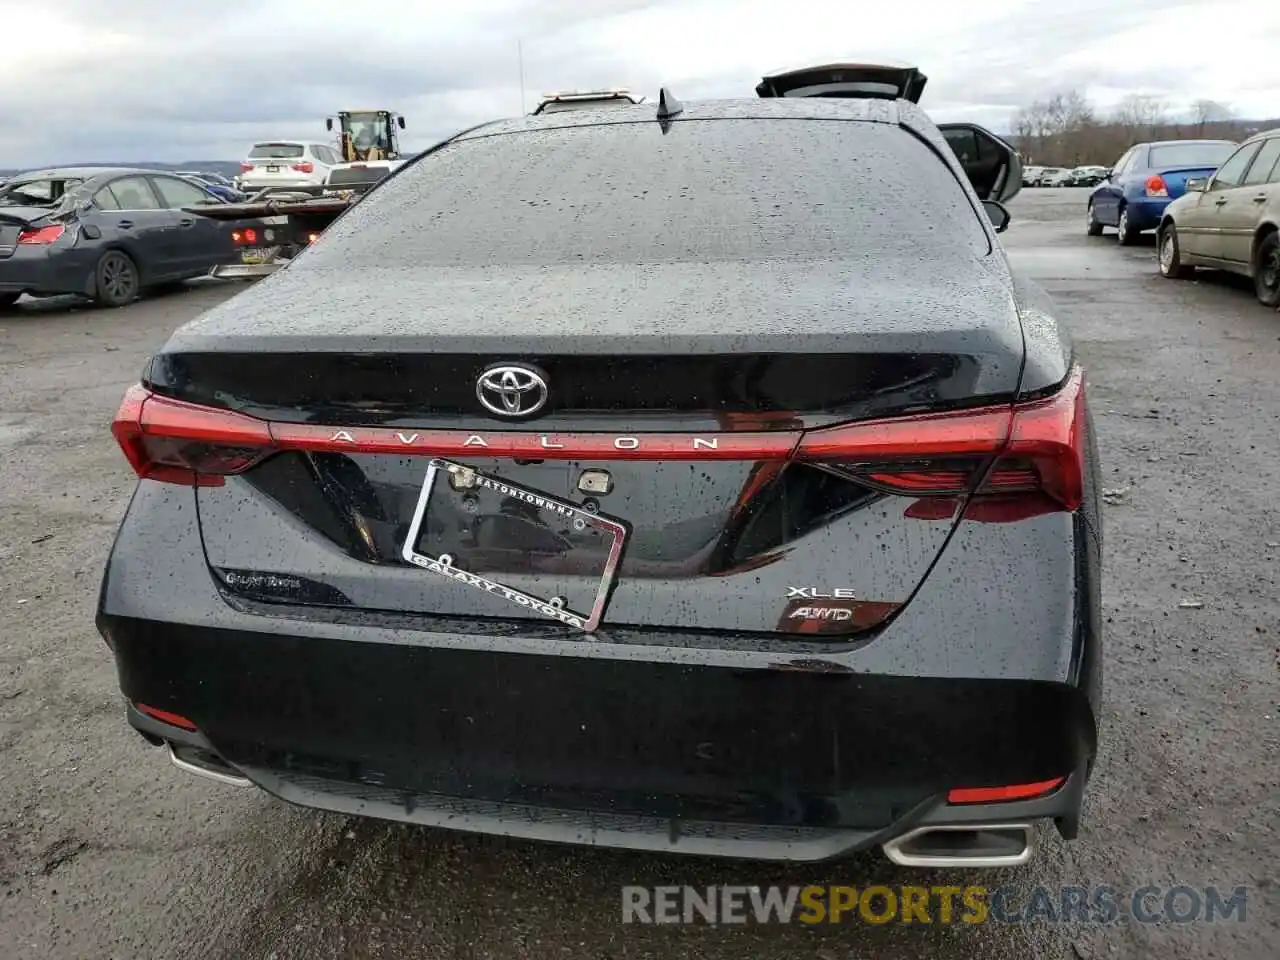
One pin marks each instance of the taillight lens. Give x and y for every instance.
(1004, 463)
(43, 236)
(178, 442)
(244, 238)
(306, 166)
(1156, 187)
(246, 166)
(997, 454)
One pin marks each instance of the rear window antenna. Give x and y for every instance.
(668, 105)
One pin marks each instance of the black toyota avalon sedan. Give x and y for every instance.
(681, 477)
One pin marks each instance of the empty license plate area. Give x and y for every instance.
(531, 549)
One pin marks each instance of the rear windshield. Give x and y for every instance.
(1190, 154)
(27, 193)
(718, 190)
(281, 151)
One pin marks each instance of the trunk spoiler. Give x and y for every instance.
(20, 219)
(847, 80)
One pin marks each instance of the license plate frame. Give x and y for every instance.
(273, 168)
(438, 472)
(257, 255)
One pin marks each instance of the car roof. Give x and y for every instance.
(865, 110)
(1265, 134)
(82, 173)
(1169, 143)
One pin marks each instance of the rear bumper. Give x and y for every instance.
(1145, 212)
(795, 838)
(648, 746)
(35, 271)
(284, 183)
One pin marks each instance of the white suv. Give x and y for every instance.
(286, 163)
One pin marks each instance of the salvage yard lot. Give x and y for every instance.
(107, 851)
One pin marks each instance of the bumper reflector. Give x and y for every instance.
(164, 716)
(1020, 791)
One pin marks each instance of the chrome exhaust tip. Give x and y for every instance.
(205, 763)
(964, 845)
(246, 271)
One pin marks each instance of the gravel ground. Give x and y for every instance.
(107, 852)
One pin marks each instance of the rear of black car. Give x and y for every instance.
(676, 486)
(37, 227)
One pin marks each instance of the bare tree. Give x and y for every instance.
(1024, 129)
(1065, 130)
(1139, 114)
(1048, 130)
(1208, 111)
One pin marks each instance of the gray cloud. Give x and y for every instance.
(154, 79)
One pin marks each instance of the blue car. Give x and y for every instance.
(219, 191)
(1143, 182)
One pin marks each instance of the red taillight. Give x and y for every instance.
(1020, 791)
(306, 166)
(1031, 452)
(244, 238)
(1007, 463)
(246, 166)
(178, 442)
(1156, 187)
(43, 236)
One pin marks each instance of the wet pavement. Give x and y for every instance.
(106, 851)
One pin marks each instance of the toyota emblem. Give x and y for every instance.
(512, 390)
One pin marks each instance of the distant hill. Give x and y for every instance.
(228, 168)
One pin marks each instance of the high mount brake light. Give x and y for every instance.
(1156, 187)
(1011, 462)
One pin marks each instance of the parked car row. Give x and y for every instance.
(1212, 203)
(1229, 220)
(1087, 176)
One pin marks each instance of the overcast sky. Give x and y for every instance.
(178, 80)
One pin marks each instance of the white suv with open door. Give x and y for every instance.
(286, 163)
